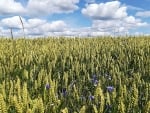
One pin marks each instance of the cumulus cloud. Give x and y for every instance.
(55, 26)
(144, 14)
(110, 27)
(81, 32)
(34, 22)
(10, 7)
(48, 28)
(130, 20)
(108, 10)
(118, 26)
(12, 22)
(38, 7)
(33, 26)
(111, 17)
(4, 32)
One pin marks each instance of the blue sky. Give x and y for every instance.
(75, 17)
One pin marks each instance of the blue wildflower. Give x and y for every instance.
(64, 91)
(110, 88)
(94, 80)
(94, 77)
(47, 86)
(91, 97)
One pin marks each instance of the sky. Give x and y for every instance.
(74, 17)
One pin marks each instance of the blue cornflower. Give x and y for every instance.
(110, 88)
(94, 77)
(91, 97)
(94, 80)
(64, 91)
(47, 86)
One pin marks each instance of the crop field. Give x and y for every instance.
(75, 75)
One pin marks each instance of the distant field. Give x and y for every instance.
(75, 75)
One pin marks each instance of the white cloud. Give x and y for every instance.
(34, 22)
(120, 26)
(108, 10)
(130, 20)
(33, 26)
(12, 22)
(4, 32)
(48, 28)
(39, 7)
(111, 17)
(81, 32)
(110, 26)
(9, 7)
(55, 26)
(144, 14)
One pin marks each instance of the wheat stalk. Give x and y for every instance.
(11, 32)
(22, 26)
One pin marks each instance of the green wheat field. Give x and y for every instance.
(75, 75)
